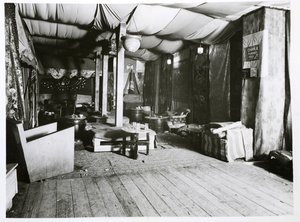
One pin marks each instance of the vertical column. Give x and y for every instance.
(97, 81)
(156, 85)
(120, 76)
(104, 83)
(115, 80)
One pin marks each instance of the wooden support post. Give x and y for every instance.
(97, 81)
(115, 80)
(104, 83)
(156, 86)
(120, 76)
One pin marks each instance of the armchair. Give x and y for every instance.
(47, 152)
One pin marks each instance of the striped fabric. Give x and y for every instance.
(237, 144)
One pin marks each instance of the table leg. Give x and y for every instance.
(135, 145)
(148, 144)
(124, 146)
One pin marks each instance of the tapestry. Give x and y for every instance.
(165, 86)
(14, 79)
(149, 90)
(181, 86)
(200, 87)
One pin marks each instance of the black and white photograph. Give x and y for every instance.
(148, 110)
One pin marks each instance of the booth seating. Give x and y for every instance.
(227, 141)
(47, 152)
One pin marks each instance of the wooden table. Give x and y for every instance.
(134, 132)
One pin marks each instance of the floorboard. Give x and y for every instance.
(271, 204)
(64, 199)
(245, 206)
(80, 199)
(210, 202)
(192, 206)
(124, 197)
(184, 188)
(96, 201)
(112, 204)
(178, 208)
(32, 199)
(261, 180)
(159, 205)
(141, 201)
(48, 201)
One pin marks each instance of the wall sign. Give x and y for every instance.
(252, 53)
(255, 50)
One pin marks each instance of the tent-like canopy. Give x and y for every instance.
(79, 29)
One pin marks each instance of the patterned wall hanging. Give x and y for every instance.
(59, 73)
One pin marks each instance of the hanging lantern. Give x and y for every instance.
(132, 42)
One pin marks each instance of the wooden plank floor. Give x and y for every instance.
(194, 191)
(168, 182)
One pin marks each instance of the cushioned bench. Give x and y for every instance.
(231, 144)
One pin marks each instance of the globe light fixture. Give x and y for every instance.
(200, 50)
(132, 42)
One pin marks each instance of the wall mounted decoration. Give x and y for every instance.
(70, 73)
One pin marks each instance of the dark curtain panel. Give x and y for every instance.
(219, 82)
(235, 76)
(149, 94)
(200, 86)
(165, 85)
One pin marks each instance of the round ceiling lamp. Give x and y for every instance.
(132, 42)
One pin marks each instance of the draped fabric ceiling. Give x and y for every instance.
(80, 29)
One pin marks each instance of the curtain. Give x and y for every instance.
(14, 80)
(165, 86)
(200, 86)
(288, 114)
(219, 78)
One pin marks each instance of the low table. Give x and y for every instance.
(134, 141)
(110, 138)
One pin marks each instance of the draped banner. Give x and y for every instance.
(14, 79)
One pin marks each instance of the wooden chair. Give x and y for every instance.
(47, 152)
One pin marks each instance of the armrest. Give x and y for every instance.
(53, 136)
(40, 131)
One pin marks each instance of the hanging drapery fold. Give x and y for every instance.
(288, 113)
(14, 81)
(219, 82)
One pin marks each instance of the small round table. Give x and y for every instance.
(134, 132)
